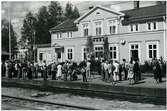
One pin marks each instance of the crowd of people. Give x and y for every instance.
(111, 71)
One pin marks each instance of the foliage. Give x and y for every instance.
(75, 12)
(89, 46)
(42, 34)
(55, 14)
(5, 37)
(106, 48)
(70, 12)
(36, 27)
(28, 31)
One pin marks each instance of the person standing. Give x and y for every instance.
(65, 70)
(120, 72)
(161, 67)
(116, 71)
(24, 70)
(106, 66)
(3, 69)
(124, 69)
(111, 69)
(130, 72)
(59, 71)
(88, 65)
(102, 71)
(36, 69)
(136, 70)
(83, 71)
(156, 70)
(53, 70)
(44, 70)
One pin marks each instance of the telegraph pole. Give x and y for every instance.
(9, 32)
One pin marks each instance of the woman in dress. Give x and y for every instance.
(59, 71)
(130, 72)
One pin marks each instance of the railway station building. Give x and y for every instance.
(138, 33)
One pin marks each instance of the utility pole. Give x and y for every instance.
(9, 32)
(34, 46)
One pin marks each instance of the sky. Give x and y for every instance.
(18, 9)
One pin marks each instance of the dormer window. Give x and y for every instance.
(69, 34)
(59, 35)
(151, 26)
(134, 27)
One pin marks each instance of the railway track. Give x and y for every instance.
(40, 104)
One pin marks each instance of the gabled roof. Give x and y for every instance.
(67, 25)
(144, 14)
(98, 7)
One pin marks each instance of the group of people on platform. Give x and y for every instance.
(110, 70)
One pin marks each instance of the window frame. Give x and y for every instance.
(139, 49)
(111, 24)
(147, 49)
(72, 48)
(133, 27)
(152, 26)
(85, 26)
(97, 26)
(97, 46)
(117, 51)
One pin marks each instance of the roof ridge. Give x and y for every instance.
(142, 7)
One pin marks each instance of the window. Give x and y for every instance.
(98, 28)
(131, 28)
(152, 26)
(69, 34)
(113, 27)
(149, 26)
(113, 52)
(40, 56)
(152, 50)
(134, 28)
(59, 35)
(99, 51)
(70, 53)
(85, 29)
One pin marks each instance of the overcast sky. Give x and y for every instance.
(18, 9)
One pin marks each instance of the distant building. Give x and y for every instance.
(137, 33)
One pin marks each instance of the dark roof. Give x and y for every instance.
(144, 14)
(67, 25)
(43, 45)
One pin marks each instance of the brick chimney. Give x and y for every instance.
(136, 4)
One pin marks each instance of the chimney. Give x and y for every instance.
(90, 7)
(136, 4)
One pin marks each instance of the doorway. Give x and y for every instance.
(134, 51)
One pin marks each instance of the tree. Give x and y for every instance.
(71, 13)
(42, 35)
(5, 37)
(69, 10)
(55, 14)
(28, 31)
(89, 46)
(75, 13)
(106, 48)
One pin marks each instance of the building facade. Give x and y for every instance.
(137, 33)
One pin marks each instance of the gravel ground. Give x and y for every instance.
(81, 101)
